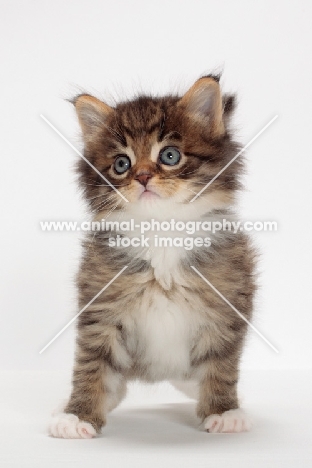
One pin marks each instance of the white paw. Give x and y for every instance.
(230, 421)
(69, 426)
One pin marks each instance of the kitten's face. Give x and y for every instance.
(157, 151)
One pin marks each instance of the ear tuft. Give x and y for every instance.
(92, 114)
(229, 103)
(216, 77)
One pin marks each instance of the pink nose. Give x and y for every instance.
(143, 178)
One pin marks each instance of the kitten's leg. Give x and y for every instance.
(98, 387)
(218, 404)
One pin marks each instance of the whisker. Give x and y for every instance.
(108, 196)
(107, 203)
(105, 197)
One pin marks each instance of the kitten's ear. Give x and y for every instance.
(92, 114)
(203, 102)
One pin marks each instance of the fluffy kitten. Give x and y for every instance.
(159, 320)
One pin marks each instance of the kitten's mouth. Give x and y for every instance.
(148, 194)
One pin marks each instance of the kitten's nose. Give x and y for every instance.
(143, 178)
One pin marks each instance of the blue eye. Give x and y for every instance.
(122, 164)
(170, 156)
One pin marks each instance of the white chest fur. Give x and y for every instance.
(165, 262)
(162, 334)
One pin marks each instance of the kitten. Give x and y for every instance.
(159, 320)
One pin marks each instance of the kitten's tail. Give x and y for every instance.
(188, 387)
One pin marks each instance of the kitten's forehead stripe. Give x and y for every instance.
(172, 136)
(144, 115)
(129, 132)
(144, 131)
(156, 126)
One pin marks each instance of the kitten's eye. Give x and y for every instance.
(170, 156)
(122, 164)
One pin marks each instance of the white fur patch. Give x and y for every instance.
(162, 332)
(68, 426)
(230, 421)
(156, 150)
(165, 261)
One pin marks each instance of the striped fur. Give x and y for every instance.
(159, 320)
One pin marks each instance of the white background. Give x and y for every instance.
(52, 50)
(114, 49)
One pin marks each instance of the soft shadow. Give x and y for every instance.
(165, 424)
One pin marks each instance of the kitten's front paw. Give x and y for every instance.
(69, 426)
(229, 421)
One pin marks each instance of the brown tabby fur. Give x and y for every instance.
(109, 351)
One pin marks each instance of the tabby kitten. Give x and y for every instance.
(159, 320)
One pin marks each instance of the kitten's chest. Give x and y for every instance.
(161, 332)
(165, 263)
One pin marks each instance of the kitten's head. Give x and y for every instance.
(159, 152)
